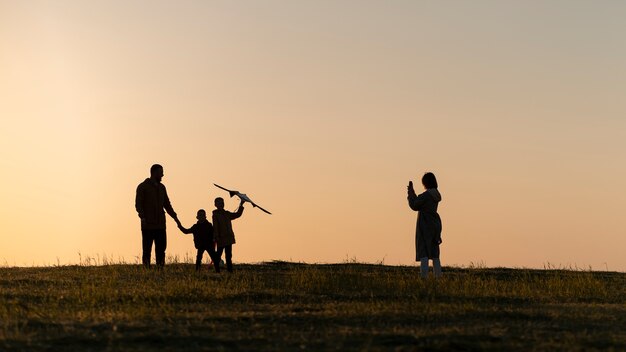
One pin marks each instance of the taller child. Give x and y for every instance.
(428, 229)
(150, 201)
(223, 231)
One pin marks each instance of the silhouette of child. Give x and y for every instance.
(202, 237)
(223, 231)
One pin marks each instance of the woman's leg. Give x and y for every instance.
(437, 267)
(424, 267)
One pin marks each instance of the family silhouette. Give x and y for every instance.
(152, 202)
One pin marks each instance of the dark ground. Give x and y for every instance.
(287, 307)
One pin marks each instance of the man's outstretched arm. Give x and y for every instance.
(168, 207)
(183, 229)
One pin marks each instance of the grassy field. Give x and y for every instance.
(288, 306)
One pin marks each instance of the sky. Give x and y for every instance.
(321, 111)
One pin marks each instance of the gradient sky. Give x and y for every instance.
(321, 111)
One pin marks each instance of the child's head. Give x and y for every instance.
(219, 203)
(201, 215)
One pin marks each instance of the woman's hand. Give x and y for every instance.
(410, 189)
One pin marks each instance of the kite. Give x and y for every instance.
(243, 197)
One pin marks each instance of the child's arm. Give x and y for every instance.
(234, 216)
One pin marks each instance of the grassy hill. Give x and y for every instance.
(289, 307)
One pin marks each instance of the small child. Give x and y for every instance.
(223, 231)
(202, 237)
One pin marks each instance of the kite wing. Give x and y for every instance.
(245, 198)
(231, 193)
(256, 206)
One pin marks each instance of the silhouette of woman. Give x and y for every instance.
(428, 229)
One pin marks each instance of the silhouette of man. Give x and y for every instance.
(150, 201)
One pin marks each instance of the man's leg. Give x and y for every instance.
(229, 258)
(147, 237)
(160, 244)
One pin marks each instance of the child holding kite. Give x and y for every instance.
(223, 232)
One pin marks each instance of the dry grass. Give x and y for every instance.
(289, 306)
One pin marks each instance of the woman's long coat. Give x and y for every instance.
(428, 229)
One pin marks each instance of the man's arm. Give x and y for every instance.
(139, 201)
(168, 206)
(183, 229)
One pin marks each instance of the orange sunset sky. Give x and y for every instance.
(321, 111)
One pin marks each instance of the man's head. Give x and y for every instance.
(201, 215)
(219, 203)
(156, 172)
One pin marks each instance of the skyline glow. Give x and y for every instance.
(323, 110)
